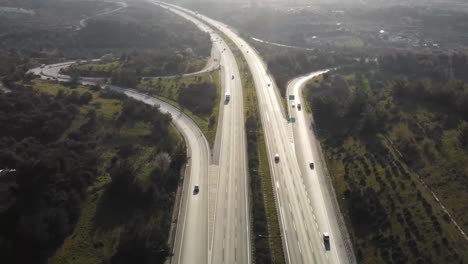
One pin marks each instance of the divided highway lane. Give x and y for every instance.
(307, 150)
(230, 242)
(301, 219)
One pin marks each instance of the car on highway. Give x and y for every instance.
(293, 105)
(276, 157)
(311, 165)
(326, 237)
(196, 189)
(326, 240)
(269, 85)
(299, 107)
(232, 77)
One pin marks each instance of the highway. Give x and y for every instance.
(230, 236)
(308, 150)
(303, 214)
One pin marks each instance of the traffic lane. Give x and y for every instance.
(299, 239)
(231, 245)
(276, 119)
(222, 201)
(314, 180)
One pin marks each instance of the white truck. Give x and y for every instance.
(227, 97)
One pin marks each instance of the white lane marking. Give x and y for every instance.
(282, 213)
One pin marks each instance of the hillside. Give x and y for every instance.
(89, 166)
(391, 142)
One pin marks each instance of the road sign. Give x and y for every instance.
(291, 97)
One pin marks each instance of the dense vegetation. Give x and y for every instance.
(129, 69)
(389, 140)
(144, 39)
(96, 176)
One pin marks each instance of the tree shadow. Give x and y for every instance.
(113, 210)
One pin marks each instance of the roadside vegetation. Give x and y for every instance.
(268, 247)
(96, 176)
(140, 64)
(197, 95)
(392, 133)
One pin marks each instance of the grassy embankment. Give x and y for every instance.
(107, 69)
(391, 215)
(266, 232)
(104, 222)
(203, 104)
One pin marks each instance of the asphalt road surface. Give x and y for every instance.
(230, 241)
(303, 215)
(308, 151)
